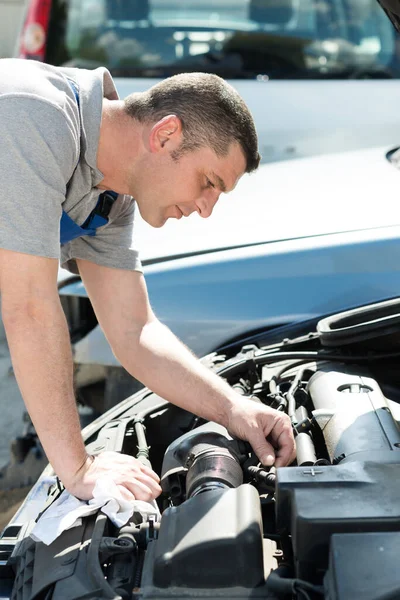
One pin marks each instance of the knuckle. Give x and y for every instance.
(147, 496)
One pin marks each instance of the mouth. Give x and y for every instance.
(179, 213)
(187, 212)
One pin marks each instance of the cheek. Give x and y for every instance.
(191, 187)
(189, 194)
(182, 183)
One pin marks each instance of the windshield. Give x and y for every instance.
(276, 39)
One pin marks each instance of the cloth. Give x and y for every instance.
(48, 164)
(67, 511)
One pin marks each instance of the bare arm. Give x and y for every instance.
(150, 352)
(40, 349)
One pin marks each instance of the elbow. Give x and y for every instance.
(130, 343)
(125, 345)
(20, 312)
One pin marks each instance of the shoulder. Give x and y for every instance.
(41, 85)
(36, 132)
(33, 78)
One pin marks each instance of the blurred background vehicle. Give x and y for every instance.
(11, 21)
(293, 240)
(318, 75)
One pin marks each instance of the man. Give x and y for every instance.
(65, 136)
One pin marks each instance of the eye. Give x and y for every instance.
(209, 183)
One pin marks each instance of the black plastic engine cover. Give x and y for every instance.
(363, 565)
(212, 540)
(313, 503)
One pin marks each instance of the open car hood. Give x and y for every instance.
(326, 527)
(292, 199)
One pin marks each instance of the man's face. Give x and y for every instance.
(172, 189)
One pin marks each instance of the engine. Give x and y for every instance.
(342, 493)
(325, 527)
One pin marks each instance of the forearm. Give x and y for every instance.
(160, 361)
(152, 354)
(41, 356)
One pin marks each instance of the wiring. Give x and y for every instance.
(303, 593)
(267, 357)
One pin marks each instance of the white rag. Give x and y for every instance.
(67, 511)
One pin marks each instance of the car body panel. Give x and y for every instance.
(209, 299)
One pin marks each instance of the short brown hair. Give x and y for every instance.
(211, 112)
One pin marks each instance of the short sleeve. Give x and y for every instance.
(113, 244)
(37, 154)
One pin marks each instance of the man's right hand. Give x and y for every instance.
(134, 480)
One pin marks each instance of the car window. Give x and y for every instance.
(276, 39)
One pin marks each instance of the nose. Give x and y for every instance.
(205, 204)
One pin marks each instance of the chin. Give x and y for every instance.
(159, 224)
(156, 222)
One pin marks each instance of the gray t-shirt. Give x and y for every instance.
(48, 164)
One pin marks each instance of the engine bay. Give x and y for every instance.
(326, 526)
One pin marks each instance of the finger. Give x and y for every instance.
(150, 473)
(125, 459)
(286, 452)
(262, 448)
(281, 436)
(125, 493)
(149, 482)
(140, 490)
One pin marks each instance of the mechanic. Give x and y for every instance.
(65, 137)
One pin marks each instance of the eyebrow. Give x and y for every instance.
(220, 181)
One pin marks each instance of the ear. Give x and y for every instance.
(166, 134)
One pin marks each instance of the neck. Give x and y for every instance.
(118, 146)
